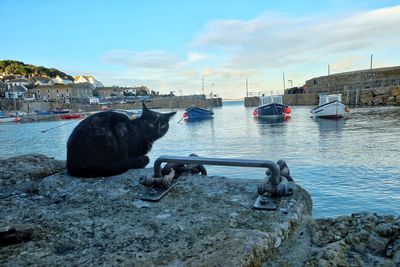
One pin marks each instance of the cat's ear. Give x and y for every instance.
(145, 110)
(169, 115)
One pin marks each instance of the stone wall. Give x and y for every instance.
(378, 96)
(251, 101)
(291, 100)
(301, 99)
(156, 102)
(355, 80)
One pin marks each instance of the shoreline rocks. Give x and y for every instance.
(203, 221)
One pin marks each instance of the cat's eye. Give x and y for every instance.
(163, 126)
(151, 125)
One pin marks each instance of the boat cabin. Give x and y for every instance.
(323, 98)
(266, 100)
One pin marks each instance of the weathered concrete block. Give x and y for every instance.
(203, 221)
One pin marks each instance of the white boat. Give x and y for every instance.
(330, 106)
(4, 117)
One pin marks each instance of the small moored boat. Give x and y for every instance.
(61, 111)
(70, 116)
(7, 118)
(330, 107)
(40, 112)
(272, 107)
(195, 113)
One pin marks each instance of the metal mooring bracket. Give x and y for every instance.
(274, 186)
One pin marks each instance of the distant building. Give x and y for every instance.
(63, 92)
(59, 80)
(18, 81)
(94, 100)
(30, 96)
(15, 92)
(3, 88)
(40, 80)
(88, 79)
(110, 91)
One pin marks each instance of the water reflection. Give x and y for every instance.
(328, 125)
(270, 126)
(200, 126)
(271, 120)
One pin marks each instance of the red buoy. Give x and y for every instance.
(287, 110)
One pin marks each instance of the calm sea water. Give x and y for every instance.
(348, 165)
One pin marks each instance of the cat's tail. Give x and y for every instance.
(105, 169)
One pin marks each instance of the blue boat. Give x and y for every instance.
(272, 107)
(61, 111)
(195, 113)
(39, 112)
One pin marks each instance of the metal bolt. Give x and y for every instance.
(263, 200)
(153, 192)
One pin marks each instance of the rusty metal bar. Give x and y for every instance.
(272, 166)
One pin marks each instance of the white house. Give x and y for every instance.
(15, 92)
(17, 81)
(130, 91)
(29, 96)
(59, 80)
(88, 79)
(94, 100)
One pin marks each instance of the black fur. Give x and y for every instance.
(109, 143)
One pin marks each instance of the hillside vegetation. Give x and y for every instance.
(13, 67)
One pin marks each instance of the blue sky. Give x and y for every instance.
(170, 45)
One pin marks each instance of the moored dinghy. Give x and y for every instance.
(5, 117)
(272, 107)
(330, 106)
(195, 113)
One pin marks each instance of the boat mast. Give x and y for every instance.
(284, 87)
(247, 89)
(202, 84)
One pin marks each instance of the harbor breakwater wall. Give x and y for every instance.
(50, 218)
(170, 102)
(378, 96)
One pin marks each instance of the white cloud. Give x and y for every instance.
(272, 41)
(197, 56)
(147, 59)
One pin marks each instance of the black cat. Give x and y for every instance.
(109, 143)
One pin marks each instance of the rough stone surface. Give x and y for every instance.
(27, 167)
(203, 221)
(362, 239)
